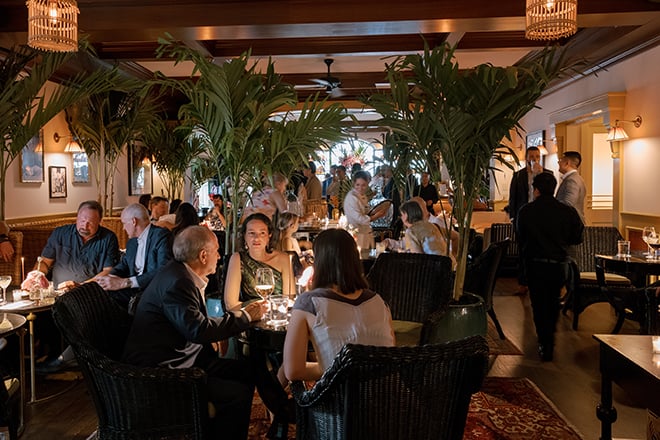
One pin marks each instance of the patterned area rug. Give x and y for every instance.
(499, 346)
(505, 409)
(513, 409)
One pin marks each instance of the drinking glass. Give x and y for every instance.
(265, 283)
(5, 281)
(647, 235)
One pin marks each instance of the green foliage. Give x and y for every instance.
(107, 123)
(461, 116)
(24, 107)
(231, 106)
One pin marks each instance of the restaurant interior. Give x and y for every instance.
(340, 50)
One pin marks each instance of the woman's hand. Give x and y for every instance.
(256, 310)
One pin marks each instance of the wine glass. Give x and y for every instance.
(648, 234)
(265, 283)
(5, 281)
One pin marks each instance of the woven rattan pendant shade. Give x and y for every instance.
(550, 19)
(53, 25)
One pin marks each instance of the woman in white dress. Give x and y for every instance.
(340, 309)
(356, 209)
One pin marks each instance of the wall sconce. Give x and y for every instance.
(617, 133)
(72, 146)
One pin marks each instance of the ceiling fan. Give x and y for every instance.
(330, 83)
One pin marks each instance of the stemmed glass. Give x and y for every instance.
(265, 283)
(5, 281)
(648, 235)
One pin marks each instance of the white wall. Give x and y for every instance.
(640, 155)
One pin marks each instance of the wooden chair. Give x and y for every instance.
(414, 286)
(384, 393)
(481, 276)
(584, 289)
(131, 402)
(13, 267)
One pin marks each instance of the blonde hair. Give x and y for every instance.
(283, 221)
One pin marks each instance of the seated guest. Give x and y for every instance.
(75, 254)
(422, 236)
(6, 248)
(160, 208)
(147, 250)
(145, 200)
(285, 226)
(340, 309)
(215, 216)
(172, 329)
(186, 215)
(267, 200)
(257, 236)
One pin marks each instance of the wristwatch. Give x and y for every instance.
(128, 284)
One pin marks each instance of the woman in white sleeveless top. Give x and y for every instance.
(340, 309)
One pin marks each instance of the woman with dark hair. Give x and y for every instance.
(256, 251)
(422, 236)
(357, 209)
(186, 215)
(340, 309)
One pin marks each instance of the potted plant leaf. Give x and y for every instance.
(231, 109)
(462, 117)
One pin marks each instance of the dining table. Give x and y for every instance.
(636, 267)
(14, 324)
(30, 310)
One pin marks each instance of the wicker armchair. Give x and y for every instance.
(584, 289)
(511, 259)
(13, 267)
(482, 274)
(383, 393)
(131, 402)
(414, 286)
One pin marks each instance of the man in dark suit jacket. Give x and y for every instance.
(546, 229)
(172, 329)
(148, 249)
(521, 193)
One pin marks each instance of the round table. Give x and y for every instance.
(637, 268)
(16, 326)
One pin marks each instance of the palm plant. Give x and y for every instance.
(107, 123)
(462, 117)
(25, 108)
(232, 106)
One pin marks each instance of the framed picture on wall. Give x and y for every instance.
(57, 182)
(80, 168)
(140, 173)
(535, 138)
(32, 160)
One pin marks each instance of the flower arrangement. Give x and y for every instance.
(356, 156)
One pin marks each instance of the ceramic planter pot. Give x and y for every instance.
(461, 319)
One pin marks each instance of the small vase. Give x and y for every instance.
(461, 319)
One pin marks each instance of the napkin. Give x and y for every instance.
(5, 324)
(16, 305)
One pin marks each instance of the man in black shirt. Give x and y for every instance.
(428, 192)
(546, 228)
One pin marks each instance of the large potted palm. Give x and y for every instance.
(461, 117)
(25, 108)
(231, 109)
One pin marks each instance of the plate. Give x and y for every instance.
(381, 208)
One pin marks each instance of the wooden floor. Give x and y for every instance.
(571, 381)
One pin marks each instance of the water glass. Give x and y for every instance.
(623, 248)
(279, 311)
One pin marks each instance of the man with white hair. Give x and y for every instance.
(172, 329)
(147, 250)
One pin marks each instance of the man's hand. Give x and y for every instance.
(256, 310)
(6, 251)
(112, 282)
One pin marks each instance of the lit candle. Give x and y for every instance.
(22, 268)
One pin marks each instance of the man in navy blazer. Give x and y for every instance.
(148, 249)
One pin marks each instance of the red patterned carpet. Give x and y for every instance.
(505, 409)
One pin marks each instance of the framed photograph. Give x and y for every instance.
(32, 160)
(140, 173)
(80, 168)
(57, 182)
(535, 138)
